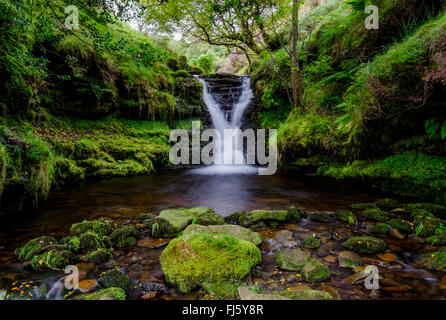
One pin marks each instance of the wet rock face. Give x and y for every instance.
(226, 90)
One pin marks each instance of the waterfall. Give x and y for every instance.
(223, 119)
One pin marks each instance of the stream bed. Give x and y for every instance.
(124, 199)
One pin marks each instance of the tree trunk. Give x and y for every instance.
(293, 43)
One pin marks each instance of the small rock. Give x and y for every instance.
(291, 278)
(152, 243)
(349, 259)
(387, 257)
(149, 295)
(86, 286)
(396, 234)
(443, 283)
(330, 259)
(319, 217)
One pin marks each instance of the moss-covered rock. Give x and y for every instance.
(365, 245)
(123, 236)
(228, 229)
(315, 271)
(401, 225)
(428, 227)
(98, 227)
(311, 242)
(387, 204)
(376, 215)
(104, 294)
(291, 259)
(381, 228)
(191, 259)
(36, 246)
(438, 239)
(347, 217)
(146, 216)
(115, 278)
(248, 219)
(221, 290)
(349, 259)
(434, 260)
(305, 294)
(99, 256)
(209, 218)
(54, 259)
(420, 214)
(363, 206)
(170, 222)
(437, 210)
(85, 242)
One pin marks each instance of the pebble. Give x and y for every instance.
(86, 286)
(396, 234)
(443, 283)
(387, 257)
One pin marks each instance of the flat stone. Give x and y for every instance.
(228, 229)
(152, 243)
(88, 285)
(396, 234)
(387, 257)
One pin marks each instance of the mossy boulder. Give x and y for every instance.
(170, 222)
(387, 204)
(228, 229)
(123, 236)
(54, 259)
(376, 215)
(315, 271)
(428, 227)
(85, 242)
(104, 294)
(291, 259)
(305, 294)
(36, 246)
(248, 219)
(438, 210)
(363, 206)
(420, 214)
(221, 290)
(299, 261)
(98, 227)
(434, 260)
(347, 217)
(99, 256)
(381, 228)
(209, 218)
(116, 279)
(401, 225)
(349, 259)
(365, 245)
(193, 258)
(438, 239)
(311, 242)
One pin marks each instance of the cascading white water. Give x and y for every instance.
(220, 122)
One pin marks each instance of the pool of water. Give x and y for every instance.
(126, 198)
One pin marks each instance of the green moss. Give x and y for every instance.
(221, 290)
(267, 216)
(98, 227)
(55, 259)
(387, 204)
(315, 271)
(438, 239)
(99, 256)
(381, 228)
(311, 242)
(363, 206)
(123, 236)
(116, 279)
(228, 229)
(428, 227)
(434, 261)
(191, 259)
(104, 294)
(401, 225)
(347, 217)
(35, 246)
(86, 241)
(305, 294)
(291, 259)
(437, 210)
(376, 215)
(365, 245)
(209, 218)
